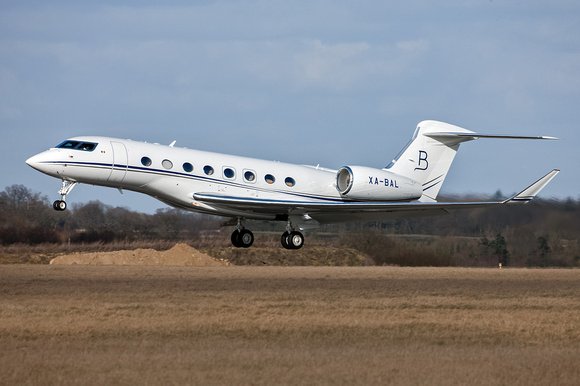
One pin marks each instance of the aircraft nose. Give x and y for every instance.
(34, 161)
(48, 162)
(41, 162)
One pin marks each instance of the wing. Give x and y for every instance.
(327, 209)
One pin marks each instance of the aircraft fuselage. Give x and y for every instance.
(173, 174)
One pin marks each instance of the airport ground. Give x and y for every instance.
(288, 325)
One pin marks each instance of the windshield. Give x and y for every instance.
(77, 145)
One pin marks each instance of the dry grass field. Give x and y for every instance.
(280, 325)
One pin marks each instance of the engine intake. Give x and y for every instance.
(364, 183)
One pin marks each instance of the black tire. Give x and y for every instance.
(59, 205)
(236, 239)
(295, 240)
(245, 238)
(284, 240)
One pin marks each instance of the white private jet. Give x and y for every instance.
(247, 188)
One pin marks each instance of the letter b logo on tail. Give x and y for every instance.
(423, 164)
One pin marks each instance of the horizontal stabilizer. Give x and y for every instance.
(471, 136)
(532, 191)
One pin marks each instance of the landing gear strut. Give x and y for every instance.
(242, 237)
(67, 187)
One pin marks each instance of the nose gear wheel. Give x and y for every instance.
(67, 187)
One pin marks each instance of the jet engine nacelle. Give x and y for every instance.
(369, 184)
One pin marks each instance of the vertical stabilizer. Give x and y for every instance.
(427, 159)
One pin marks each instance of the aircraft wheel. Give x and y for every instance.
(284, 240)
(236, 239)
(245, 238)
(59, 205)
(296, 240)
(292, 240)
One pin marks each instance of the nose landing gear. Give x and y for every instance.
(67, 187)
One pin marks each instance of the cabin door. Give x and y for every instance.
(119, 166)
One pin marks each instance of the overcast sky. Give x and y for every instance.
(311, 82)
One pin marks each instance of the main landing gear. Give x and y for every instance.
(67, 187)
(244, 238)
(292, 240)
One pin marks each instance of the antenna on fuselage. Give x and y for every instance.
(172, 144)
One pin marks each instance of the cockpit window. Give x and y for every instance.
(77, 145)
(68, 145)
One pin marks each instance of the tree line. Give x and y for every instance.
(27, 217)
(543, 233)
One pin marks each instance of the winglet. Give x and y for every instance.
(529, 193)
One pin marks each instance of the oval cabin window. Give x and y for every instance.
(208, 170)
(249, 176)
(188, 167)
(229, 173)
(167, 164)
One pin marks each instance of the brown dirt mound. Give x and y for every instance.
(180, 255)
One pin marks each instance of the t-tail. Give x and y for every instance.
(429, 155)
